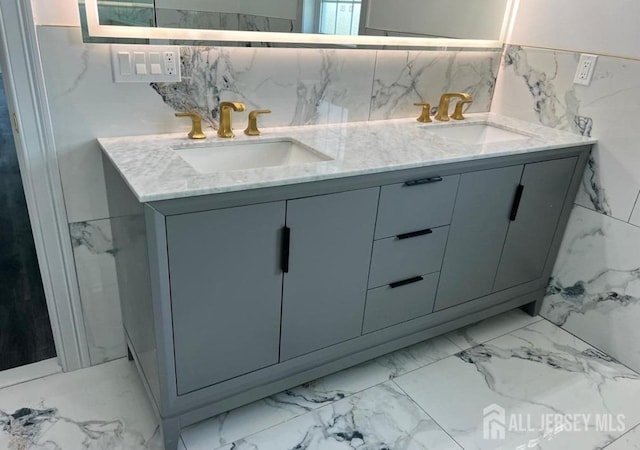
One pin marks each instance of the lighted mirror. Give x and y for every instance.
(378, 23)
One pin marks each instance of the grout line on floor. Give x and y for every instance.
(591, 345)
(335, 401)
(630, 430)
(539, 319)
(428, 415)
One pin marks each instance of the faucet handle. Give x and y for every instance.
(196, 125)
(424, 115)
(252, 128)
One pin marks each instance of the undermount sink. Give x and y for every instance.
(477, 133)
(250, 155)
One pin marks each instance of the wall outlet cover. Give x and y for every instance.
(586, 67)
(145, 63)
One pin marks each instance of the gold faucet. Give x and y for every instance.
(252, 128)
(424, 115)
(225, 130)
(443, 107)
(196, 125)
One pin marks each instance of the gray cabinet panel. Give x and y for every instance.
(476, 235)
(226, 289)
(324, 291)
(530, 235)
(388, 306)
(404, 209)
(394, 259)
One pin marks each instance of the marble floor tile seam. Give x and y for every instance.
(429, 415)
(593, 346)
(351, 394)
(620, 439)
(609, 216)
(635, 205)
(538, 318)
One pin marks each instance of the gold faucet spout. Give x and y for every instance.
(225, 130)
(443, 107)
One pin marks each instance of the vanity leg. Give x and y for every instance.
(170, 433)
(533, 308)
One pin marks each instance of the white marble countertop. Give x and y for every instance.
(153, 169)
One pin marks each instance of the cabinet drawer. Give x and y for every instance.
(407, 207)
(399, 258)
(388, 306)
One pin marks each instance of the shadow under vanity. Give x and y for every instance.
(240, 284)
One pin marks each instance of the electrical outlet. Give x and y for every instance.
(145, 63)
(170, 62)
(586, 67)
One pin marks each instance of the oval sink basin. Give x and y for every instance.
(477, 134)
(250, 155)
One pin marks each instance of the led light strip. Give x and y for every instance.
(115, 31)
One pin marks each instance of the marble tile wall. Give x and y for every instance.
(300, 86)
(594, 292)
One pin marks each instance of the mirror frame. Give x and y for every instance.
(95, 30)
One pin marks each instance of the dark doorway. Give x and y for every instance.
(25, 330)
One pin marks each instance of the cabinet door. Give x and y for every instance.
(226, 287)
(476, 235)
(544, 189)
(330, 250)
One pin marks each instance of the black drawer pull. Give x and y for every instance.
(284, 255)
(414, 234)
(516, 203)
(405, 282)
(423, 181)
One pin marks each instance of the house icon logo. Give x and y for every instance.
(494, 422)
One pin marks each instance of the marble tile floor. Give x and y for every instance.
(428, 396)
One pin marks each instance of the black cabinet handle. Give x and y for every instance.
(414, 234)
(516, 203)
(284, 252)
(405, 282)
(422, 181)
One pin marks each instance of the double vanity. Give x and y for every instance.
(248, 266)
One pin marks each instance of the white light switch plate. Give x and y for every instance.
(145, 63)
(586, 67)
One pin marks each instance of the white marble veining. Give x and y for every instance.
(313, 86)
(84, 103)
(382, 417)
(104, 407)
(491, 328)
(540, 369)
(635, 215)
(595, 287)
(537, 85)
(244, 421)
(403, 78)
(535, 369)
(93, 253)
(629, 441)
(155, 171)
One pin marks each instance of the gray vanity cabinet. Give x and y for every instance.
(226, 289)
(497, 244)
(544, 186)
(239, 295)
(476, 235)
(325, 284)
